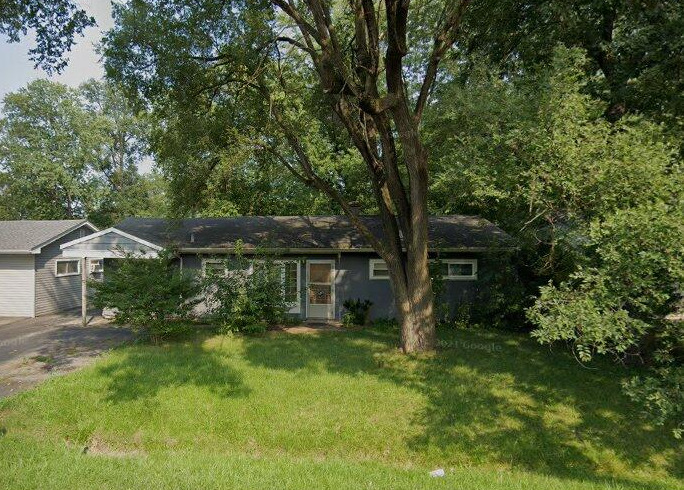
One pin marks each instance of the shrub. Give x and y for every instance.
(151, 295)
(620, 303)
(246, 295)
(357, 312)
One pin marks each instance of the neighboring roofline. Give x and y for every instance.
(37, 249)
(16, 252)
(111, 230)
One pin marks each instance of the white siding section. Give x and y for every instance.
(17, 285)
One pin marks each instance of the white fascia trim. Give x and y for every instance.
(106, 254)
(111, 230)
(17, 252)
(36, 250)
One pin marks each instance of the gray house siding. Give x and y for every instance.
(54, 294)
(352, 281)
(17, 285)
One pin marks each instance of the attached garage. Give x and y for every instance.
(35, 278)
(17, 285)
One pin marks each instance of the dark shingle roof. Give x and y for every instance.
(27, 235)
(305, 232)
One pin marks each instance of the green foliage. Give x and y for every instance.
(662, 395)
(54, 23)
(635, 46)
(246, 294)
(622, 302)
(501, 296)
(72, 153)
(357, 312)
(595, 205)
(151, 295)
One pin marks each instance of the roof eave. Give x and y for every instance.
(37, 249)
(324, 250)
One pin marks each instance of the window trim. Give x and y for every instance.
(295, 307)
(371, 270)
(372, 263)
(78, 267)
(212, 261)
(472, 277)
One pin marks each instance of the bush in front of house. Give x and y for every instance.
(150, 294)
(357, 313)
(246, 295)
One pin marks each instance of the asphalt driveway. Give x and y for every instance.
(32, 349)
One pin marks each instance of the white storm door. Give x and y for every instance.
(320, 284)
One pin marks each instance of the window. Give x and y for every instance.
(291, 283)
(452, 269)
(290, 277)
(96, 266)
(459, 269)
(213, 268)
(378, 269)
(67, 267)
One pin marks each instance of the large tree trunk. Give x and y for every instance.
(414, 299)
(379, 122)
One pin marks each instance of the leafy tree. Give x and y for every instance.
(621, 302)
(55, 23)
(151, 294)
(536, 156)
(596, 205)
(636, 46)
(68, 153)
(304, 82)
(47, 145)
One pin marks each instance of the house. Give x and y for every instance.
(325, 260)
(35, 278)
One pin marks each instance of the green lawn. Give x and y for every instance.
(336, 410)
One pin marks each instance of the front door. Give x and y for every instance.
(320, 284)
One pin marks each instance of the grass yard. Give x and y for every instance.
(335, 410)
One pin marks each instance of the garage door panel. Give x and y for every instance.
(17, 285)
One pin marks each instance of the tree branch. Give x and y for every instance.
(443, 40)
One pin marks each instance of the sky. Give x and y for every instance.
(16, 70)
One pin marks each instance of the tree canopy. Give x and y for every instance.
(54, 22)
(69, 153)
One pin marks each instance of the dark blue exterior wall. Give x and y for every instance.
(352, 281)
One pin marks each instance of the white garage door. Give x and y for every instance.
(17, 285)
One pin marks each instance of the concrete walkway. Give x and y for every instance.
(32, 349)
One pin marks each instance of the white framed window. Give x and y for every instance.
(459, 269)
(377, 269)
(452, 269)
(96, 266)
(292, 284)
(213, 267)
(221, 267)
(67, 267)
(290, 277)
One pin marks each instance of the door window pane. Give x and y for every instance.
(320, 273)
(456, 270)
(320, 294)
